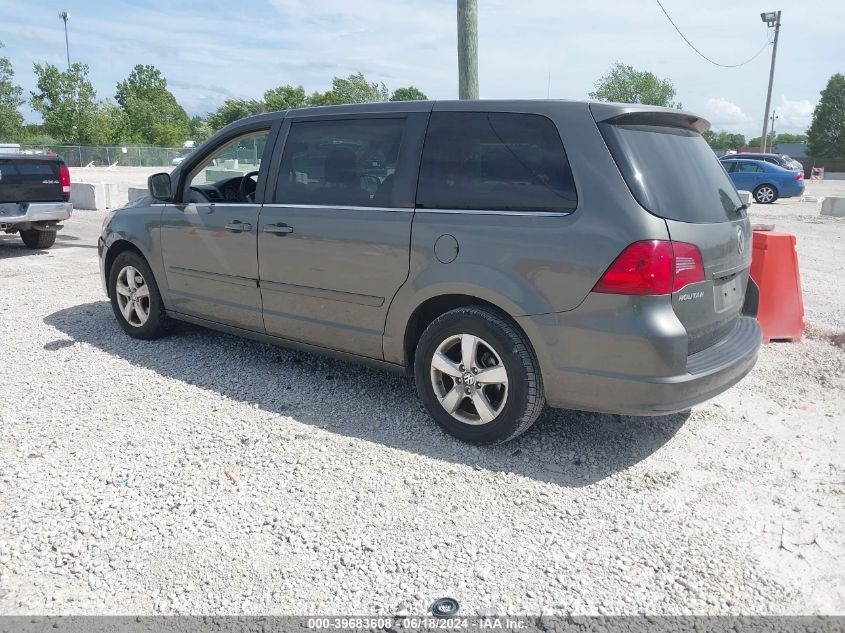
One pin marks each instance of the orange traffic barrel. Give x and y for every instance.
(774, 268)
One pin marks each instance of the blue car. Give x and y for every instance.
(767, 182)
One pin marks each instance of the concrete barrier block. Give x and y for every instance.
(834, 206)
(137, 192)
(93, 196)
(745, 196)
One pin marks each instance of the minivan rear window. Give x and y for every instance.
(495, 161)
(672, 172)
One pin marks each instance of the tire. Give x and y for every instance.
(511, 407)
(144, 318)
(35, 239)
(765, 194)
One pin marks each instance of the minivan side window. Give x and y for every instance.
(494, 161)
(349, 162)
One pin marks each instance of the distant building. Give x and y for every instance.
(795, 150)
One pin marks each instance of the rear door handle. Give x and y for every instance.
(278, 229)
(237, 226)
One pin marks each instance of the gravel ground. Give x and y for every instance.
(205, 474)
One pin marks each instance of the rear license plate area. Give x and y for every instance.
(728, 292)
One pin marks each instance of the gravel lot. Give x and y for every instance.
(204, 473)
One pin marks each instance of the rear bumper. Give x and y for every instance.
(27, 212)
(638, 365)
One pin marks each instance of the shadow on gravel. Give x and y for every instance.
(566, 448)
(11, 246)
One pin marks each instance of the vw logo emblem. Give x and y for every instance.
(740, 240)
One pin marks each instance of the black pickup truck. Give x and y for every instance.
(34, 197)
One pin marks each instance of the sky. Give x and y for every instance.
(210, 51)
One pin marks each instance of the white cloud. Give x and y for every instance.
(793, 115)
(725, 113)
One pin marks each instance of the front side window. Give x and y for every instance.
(230, 172)
(495, 161)
(339, 163)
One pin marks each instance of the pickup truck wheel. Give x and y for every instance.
(135, 298)
(477, 376)
(35, 239)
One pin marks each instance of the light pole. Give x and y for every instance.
(65, 16)
(772, 18)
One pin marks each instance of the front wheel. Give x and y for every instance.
(135, 298)
(477, 376)
(765, 194)
(35, 239)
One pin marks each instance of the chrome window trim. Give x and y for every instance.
(553, 214)
(338, 207)
(543, 214)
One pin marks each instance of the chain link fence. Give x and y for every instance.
(102, 156)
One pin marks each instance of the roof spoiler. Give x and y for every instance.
(635, 114)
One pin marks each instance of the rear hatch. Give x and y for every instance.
(33, 178)
(674, 174)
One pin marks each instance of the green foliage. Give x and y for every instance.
(152, 115)
(324, 98)
(410, 93)
(724, 140)
(791, 138)
(34, 134)
(234, 109)
(11, 120)
(356, 89)
(199, 129)
(67, 102)
(625, 84)
(285, 98)
(826, 136)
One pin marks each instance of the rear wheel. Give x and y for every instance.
(765, 194)
(477, 376)
(35, 239)
(135, 298)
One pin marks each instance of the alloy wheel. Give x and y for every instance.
(765, 195)
(469, 379)
(133, 296)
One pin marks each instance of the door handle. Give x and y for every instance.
(278, 229)
(237, 226)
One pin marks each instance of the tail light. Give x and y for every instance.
(652, 267)
(800, 176)
(64, 178)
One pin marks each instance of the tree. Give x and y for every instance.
(791, 138)
(324, 98)
(153, 115)
(11, 120)
(356, 89)
(234, 109)
(625, 84)
(826, 136)
(67, 102)
(285, 98)
(199, 129)
(724, 140)
(410, 93)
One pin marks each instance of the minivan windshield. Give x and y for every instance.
(672, 172)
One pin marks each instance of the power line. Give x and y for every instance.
(702, 55)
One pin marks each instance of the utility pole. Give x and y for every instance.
(64, 15)
(468, 49)
(772, 18)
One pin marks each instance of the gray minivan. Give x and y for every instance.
(506, 254)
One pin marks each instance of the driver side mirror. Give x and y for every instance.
(160, 187)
